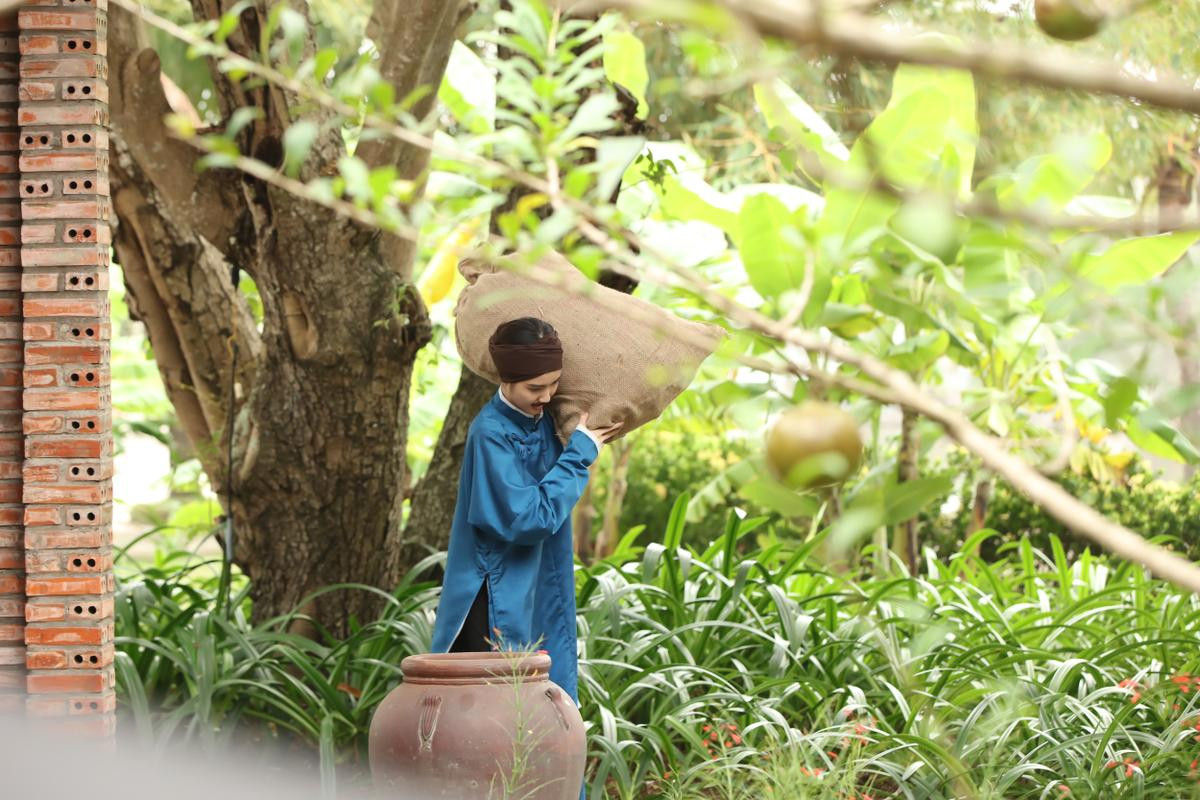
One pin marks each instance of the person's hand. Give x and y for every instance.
(603, 434)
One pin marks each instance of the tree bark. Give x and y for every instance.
(1175, 186)
(618, 484)
(310, 416)
(907, 469)
(435, 495)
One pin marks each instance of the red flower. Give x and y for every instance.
(1129, 763)
(1133, 686)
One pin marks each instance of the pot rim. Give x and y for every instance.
(465, 668)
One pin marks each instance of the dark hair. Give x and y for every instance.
(525, 330)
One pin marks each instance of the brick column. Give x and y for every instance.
(12, 556)
(67, 408)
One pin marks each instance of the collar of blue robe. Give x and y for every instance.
(524, 421)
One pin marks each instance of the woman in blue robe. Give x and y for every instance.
(510, 580)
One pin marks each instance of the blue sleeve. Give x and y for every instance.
(505, 505)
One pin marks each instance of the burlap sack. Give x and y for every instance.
(622, 362)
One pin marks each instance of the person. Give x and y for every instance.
(509, 581)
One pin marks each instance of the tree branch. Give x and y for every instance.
(852, 35)
(414, 40)
(138, 104)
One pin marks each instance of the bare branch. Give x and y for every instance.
(852, 35)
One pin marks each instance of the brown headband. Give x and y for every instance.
(520, 362)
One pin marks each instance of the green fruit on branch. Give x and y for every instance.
(1069, 20)
(814, 445)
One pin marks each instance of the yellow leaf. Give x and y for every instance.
(438, 277)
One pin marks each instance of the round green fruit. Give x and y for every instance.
(1069, 20)
(814, 445)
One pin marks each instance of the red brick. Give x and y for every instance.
(8, 306)
(10, 376)
(70, 21)
(90, 161)
(10, 471)
(11, 352)
(37, 90)
(92, 634)
(41, 376)
(65, 400)
(10, 236)
(43, 515)
(10, 633)
(47, 684)
(10, 188)
(39, 331)
(64, 494)
(88, 67)
(85, 256)
(12, 584)
(58, 587)
(70, 539)
(42, 424)
(64, 448)
(83, 90)
(65, 209)
(40, 282)
(61, 354)
(86, 113)
(87, 234)
(12, 655)
(10, 516)
(85, 137)
(45, 659)
(9, 537)
(64, 307)
(9, 282)
(10, 400)
(39, 234)
(11, 559)
(12, 607)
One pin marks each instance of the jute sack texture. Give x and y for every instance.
(624, 360)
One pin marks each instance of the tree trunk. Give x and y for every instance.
(618, 485)
(906, 546)
(582, 517)
(434, 498)
(1175, 186)
(310, 415)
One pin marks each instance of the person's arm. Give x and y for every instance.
(506, 506)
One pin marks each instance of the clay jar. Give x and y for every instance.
(477, 726)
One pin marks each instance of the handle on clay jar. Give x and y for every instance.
(431, 709)
(554, 696)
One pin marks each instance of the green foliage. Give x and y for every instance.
(1156, 508)
(1000, 680)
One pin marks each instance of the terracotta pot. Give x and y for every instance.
(450, 730)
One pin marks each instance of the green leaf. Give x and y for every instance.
(1135, 261)
(696, 200)
(771, 495)
(917, 352)
(297, 141)
(931, 114)
(1053, 180)
(240, 118)
(783, 108)
(468, 90)
(771, 246)
(625, 65)
(903, 501)
(357, 177)
(1117, 401)
(594, 116)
